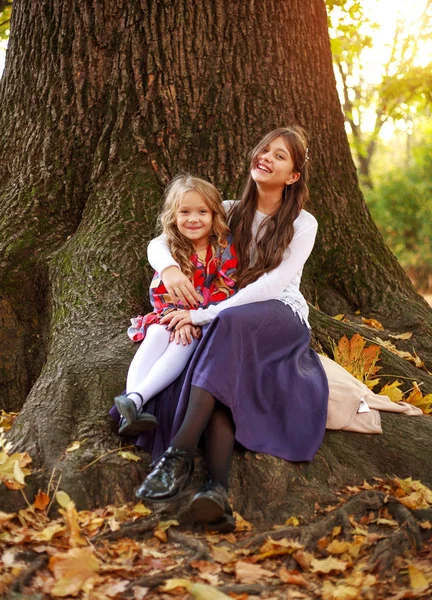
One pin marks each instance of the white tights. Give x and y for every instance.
(157, 363)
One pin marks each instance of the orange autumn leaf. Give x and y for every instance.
(75, 535)
(41, 501)
(293, 577)
(356, 358)
(372, 323)
(72, 570)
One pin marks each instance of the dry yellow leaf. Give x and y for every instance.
(47, 534)
(161, 529)
(339, 317)
(402, 336)
(63, 499)
(142, 510)
(75, 536)
(72, 570)
(12, 469)
(74, 446)
(222, 555)
(392, 391)
(128, 455)
(199, 591)
(292, 521)
(241, 524)
(418, 580)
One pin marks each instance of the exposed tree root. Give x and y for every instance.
(130, 530)
(25, 577)
(407, 538)
(200, 550)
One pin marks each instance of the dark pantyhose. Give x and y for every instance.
(205, 413)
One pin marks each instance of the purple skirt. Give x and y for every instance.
(256, 360)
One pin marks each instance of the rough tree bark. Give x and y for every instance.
(101, 103)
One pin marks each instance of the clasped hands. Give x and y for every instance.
(180, 324)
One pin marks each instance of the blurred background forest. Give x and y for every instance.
(382, 53)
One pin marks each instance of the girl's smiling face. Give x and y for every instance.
(273, 166)
(195, 219)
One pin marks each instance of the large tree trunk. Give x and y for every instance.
(102, 102)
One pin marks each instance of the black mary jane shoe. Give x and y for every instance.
(171, 473)
(133, 422)
(211, 506)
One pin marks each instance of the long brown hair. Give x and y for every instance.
(180, 246)
(278, 229)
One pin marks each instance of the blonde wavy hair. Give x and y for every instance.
(180, 246)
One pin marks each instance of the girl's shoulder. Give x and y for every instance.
(227, 204)
(304, 222)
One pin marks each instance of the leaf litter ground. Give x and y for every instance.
(376, 543)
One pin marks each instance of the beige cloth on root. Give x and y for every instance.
(347, 395)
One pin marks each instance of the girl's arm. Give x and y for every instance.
(270, 285)
(177, 284)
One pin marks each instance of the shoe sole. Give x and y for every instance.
(224, 525)
(138, 426)
(205, 510)
(126, 408)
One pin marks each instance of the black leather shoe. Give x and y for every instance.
(171, 473)
(211, 506)
(133, 422)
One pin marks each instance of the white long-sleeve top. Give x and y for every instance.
(282, 283)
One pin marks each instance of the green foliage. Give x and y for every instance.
(404, 86)
(5, 15)
(401, 205)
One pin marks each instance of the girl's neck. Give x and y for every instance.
(268, 200)
(201, 245)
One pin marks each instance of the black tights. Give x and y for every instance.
(204, 413)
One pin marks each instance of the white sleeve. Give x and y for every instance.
(159, 254)
(270, 285)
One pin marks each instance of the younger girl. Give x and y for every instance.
(193, 221)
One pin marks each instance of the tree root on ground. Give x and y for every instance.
(130, 530)
(409, 537)
(199, 549)
(26, 575)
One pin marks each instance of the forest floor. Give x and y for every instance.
(376, 543)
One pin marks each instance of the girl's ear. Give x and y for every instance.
(292, 178)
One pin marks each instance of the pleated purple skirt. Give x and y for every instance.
(256, 360)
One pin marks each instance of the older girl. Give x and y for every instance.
(254, 377)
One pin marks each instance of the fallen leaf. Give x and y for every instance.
(74, 446)
(339, 317)
(199, 591)
(241, 524)
(128, 455)
(72, 570)
(247, 572)
(372, 323)
(141, 510)
(417, 578)
(160, 531)
(304, 559)
(75, 535)
(63, 499)
(293, 577)
(222, 555)
(292, 521)
(327, 565)
(392, 391)
(12, 469)
(41, 501)
(402, 336)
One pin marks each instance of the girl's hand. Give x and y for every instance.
(176, 319)
(185, 334)
(179, 287)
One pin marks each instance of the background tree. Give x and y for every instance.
(404, 87)
(5, 14)
(101, 103)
